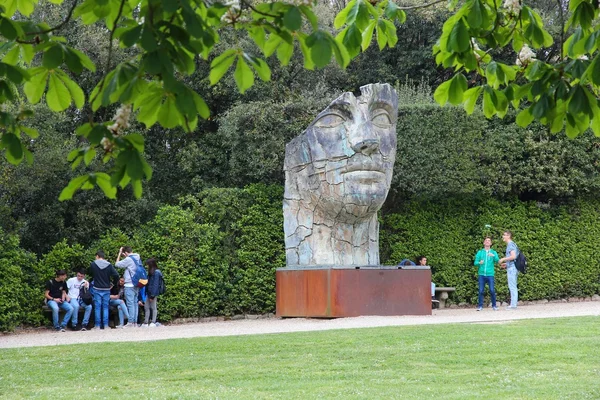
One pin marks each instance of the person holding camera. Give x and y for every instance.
(485, 259)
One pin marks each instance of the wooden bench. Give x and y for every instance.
(113, 314)
(441, 294)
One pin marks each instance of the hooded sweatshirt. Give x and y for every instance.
(102, 271)
(130, 267)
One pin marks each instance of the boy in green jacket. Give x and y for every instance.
(485, 260)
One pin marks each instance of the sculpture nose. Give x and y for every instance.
(366, 147)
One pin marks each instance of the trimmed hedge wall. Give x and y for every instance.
(560, 244)
(219, 251)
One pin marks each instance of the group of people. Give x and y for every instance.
(486, 259)
(107, 289)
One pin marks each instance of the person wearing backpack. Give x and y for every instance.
(102, 271)
(154, 288)
(508, 262)
(130, 263)
(74, 286)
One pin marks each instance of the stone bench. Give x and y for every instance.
(441, 294)
(113, 314)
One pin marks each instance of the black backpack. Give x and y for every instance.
(85, 295)
(162, 288)
(521, 262)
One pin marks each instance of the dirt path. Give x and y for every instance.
(276, 325)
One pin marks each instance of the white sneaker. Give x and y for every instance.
(128, 325)
(152, 325)
(119, 326)
(144, 326)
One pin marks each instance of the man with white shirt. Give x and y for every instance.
(73, 285)
(508, 262)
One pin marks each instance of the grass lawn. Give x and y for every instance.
(533, 359)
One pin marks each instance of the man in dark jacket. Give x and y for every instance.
(102, 271)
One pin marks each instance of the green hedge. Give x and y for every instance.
(559, 242)
(219, 251)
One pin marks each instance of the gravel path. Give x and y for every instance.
(276, 325)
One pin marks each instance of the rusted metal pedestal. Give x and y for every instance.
(332, 292)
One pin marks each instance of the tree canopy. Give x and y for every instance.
(161, 43)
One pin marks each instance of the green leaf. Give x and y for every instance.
(9, 29)
(457, 87)
(149, 106)
(367, 35)
(381, 34)
(347, 15)
(136, 140)
(137, 188)
(489, 102)
(74, 89)
(475, 16)
(524, 118)
(391, 33)
(593, 71)
(14, 148)
(12, 56)
(310, 15)
(441, 93)
(89, 156)
(201, 105)
(260, 66)
(75, 183)
(53, 57)
(459, 40)
(58, 97)
(168, 115)
(320, 48)
(84, 59)
(220, 65)
(341, 54)
(244, 78)
(148, 41)
(285, 52)
(97, 133)
(131, 36)
(103, 182)
(578, 102)
(292, 19)
(470, 97)
(351, 38)
(257, 33)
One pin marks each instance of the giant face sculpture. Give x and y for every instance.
(338, 174)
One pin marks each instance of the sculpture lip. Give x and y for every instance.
(371, 167)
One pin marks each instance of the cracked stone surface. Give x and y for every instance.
(337, 176)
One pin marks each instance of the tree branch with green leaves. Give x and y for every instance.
(167, 38)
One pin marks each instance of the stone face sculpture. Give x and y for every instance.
(337, 176)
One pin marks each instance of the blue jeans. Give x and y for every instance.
(123, 313)
(490, 282)
(511, 274)
(66, 307)
(101, 298)
(131, 298)
(76, 303)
